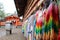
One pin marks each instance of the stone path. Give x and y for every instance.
(16, 35)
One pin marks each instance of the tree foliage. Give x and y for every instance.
(2, 15)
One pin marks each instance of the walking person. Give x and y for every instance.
(8, 27)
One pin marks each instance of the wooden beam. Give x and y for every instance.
(28, 6)
(36, 5)
(31, 7)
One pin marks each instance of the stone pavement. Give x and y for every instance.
(16, 35)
